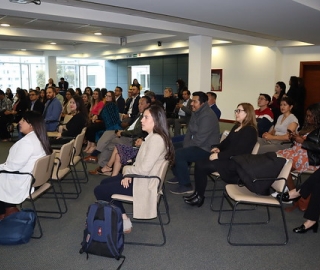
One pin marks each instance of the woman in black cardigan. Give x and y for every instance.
(241, 140)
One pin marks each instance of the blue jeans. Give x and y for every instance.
(183, 157)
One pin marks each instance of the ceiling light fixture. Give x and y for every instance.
(98, 34)
(37, 2)
(5, 25)
(53, 43)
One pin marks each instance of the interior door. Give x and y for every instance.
(310, 72)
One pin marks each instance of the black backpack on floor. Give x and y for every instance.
(103, 235)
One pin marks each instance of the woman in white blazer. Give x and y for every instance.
(22, 157)
(156, 148)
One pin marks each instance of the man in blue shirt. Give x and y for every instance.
(52, 110)
(212, 103)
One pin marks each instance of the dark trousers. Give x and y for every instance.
(4, 205)
(201, 171)
(312, 187)
(110, 186)
(92, 129)
(4, 120)
(183, 157)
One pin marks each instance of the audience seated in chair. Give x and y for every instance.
(109, 117)
(52, 110)
(182, 113)
(241, 140)
(110, 138)
(203, 132)
(14, 189)
(299, 155)
(156, 148)
(273, 141)
(264, 114)
(212, 98)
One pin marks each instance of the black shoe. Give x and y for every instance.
(286, 197)
(196, 201)
(302, 228)
(190, 197)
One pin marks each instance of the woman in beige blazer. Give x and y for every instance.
(156, 148)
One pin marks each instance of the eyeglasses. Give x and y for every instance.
(108, 96)
(238, 111)
(261, 98)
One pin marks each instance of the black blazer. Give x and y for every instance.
(135, 107)
(121, 104)
(37, 107)
(65, 85)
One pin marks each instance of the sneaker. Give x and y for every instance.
(181, 190)
(173, 181)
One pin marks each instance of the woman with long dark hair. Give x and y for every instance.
(22, 157)
(156, 148)
(43, 96)
(280, 90)
(110, 120)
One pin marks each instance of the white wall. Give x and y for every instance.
(247, 71)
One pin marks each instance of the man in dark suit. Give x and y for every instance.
(35, 104)
(119, 99)
(132, 107)
(63, 85)
(182, 111)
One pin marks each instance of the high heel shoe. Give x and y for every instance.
(196, 201)
(190, 197)
(302, 228)
(286, 197)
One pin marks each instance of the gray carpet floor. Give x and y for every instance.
(195, 240)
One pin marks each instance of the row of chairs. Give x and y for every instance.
(54, 168)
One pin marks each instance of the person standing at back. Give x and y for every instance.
(52, 110)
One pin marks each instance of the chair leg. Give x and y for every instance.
(37, 221)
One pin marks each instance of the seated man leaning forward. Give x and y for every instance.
(203, 133)
(264, 114)
(110, 138)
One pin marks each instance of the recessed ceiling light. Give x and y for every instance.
(53, 43)
(98, 34)
(5, 25)
(23, 49)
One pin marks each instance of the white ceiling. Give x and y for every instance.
(72, 24)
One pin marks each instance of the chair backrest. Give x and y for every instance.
(65, 154)
(43, 169)
(78, 144)
(279, 184)
(255, 149)
(67, 118)
(162, 173)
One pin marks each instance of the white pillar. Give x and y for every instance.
(51, 69)
(199, 63)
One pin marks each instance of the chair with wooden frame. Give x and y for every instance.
(161, 194)
(237, 195)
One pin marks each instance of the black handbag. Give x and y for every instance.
(312, 145)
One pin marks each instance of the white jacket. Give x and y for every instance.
(22, 157)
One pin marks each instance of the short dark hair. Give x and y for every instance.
(266, 96)
(61, 78)
(120, 88)
(34, 91)
(186, 90)
(1, 93)
(150, 94)
(212, 94)
(202, 96)
(147, 98)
